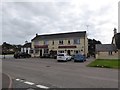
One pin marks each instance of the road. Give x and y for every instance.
(53, 74)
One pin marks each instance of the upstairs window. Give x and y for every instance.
(68, 41)
(36, 43)
(76, 41)
(46, 42)
(60, 41)
(52, 42)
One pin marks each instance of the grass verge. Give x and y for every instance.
(105, 63)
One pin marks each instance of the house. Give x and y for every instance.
(26, 47)
(109, 51)
(71, 43)
(106, 51)
(116, 41)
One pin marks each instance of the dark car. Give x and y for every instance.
(54, 56)
(45, 55)
(22, 55)
(79, 58)
(72, 57)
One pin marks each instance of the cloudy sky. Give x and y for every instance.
(22, 20)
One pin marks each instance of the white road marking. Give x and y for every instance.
(21, 80)
(30, 89)
(41, 86)
(30, 83)
(17, 79)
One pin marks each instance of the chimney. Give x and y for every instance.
(36, 34)
(26, 42)
(115, 31)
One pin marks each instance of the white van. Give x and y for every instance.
(63, 57)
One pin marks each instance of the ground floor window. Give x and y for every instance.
(26, 51)
(110, 53)
(37, 51)
(77, 51)
(31, 51)
(61, 51)
(46, 50)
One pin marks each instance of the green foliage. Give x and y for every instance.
(105, 63)
(10, 49)
(91, 46)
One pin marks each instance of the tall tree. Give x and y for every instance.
(91, 46)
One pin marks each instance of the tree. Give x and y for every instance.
(6, 48)
(91, 46)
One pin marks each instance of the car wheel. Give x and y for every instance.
(66, 59)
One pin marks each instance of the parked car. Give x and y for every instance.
(63, 57)
(45, 55)
(22, 55)
(79, 58)
(72, 57)
(54, 56)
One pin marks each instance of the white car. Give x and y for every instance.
(63, 57)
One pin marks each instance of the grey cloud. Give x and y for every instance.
(23, 19)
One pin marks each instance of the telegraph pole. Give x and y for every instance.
(87, 26)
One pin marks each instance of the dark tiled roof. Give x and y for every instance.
(27, 45)
(60, 35)
(117, 40)
(105, 47)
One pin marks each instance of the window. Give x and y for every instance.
(60, 41)
(68, 41)
(110, 53)
(36, 51)
(52, 42)
(115, 51)
(76, 41)
(61, 51)
(98, 53)
(36, 43)
(46, 50)
(45, 42)
(31, 51)
(76, 51)
(26, 51)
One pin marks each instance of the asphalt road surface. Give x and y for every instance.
(53, 74)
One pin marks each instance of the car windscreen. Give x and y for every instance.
(78, 56)
(60, 54)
